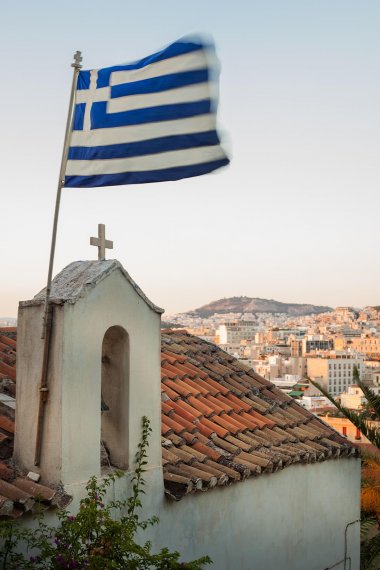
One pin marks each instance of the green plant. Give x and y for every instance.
(93, 539)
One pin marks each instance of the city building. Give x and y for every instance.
(353, 398)
(369, 345)
(315, 343)
(233, 333)
(346, 428)
(314, 403)
(335, 371)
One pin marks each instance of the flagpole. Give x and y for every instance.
(47, 318)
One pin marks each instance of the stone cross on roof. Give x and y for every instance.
(101, 242)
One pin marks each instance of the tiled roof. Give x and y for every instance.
(7, 353)
(18, 494)
(221, 423)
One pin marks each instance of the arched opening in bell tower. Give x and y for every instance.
(115, 398)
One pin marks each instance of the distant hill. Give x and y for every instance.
(255, 305)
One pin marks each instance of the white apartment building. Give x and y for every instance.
(233, 333)
(335, 372)
(314, 402)
(235, 350)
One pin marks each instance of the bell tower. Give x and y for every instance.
(103, 373)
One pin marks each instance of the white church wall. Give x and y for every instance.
(291, 520)
(295, 519)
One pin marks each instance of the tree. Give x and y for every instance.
(370, 493)
(93, 539)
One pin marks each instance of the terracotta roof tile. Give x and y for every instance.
(5, 472)
(214, 428)
(204, 429)
(197, 455)
(197, 386)
(174, 438)
(190, 437)
(180, 411)
(188, 425)
(169, 392)
(3, 437)
(217, 405)
(184, 405)
(177, 357)
(165, 428)
(216, 387)
(177, 427)
(165, 358)
(170, 457)
(186, 456)
(252, 466)
(231, 473)
(234, 386)
(235, 403)
(251, 440)
(257, 404)
(167, 373)
(34, 489)
(247, 420)
(167, 408)
(196, 369)
(243, 423)
(201, 405)
(254, 440)
(7, 424)
(8, 341)
(176, 485)
(8, 370)
(179, 387)
(228, 423)
(208, 451)
(262, 419)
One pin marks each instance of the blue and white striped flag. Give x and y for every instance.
(149, 121)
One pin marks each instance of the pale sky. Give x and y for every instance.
(295, 217)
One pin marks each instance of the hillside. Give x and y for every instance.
(255, 305)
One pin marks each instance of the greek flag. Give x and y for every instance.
(149, 121)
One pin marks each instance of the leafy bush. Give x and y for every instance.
(92, 539)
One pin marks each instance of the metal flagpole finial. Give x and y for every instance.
(77, 60)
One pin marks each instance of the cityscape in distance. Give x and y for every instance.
(291, 344)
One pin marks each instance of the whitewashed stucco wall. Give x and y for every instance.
(295, 519)
(291, 520)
